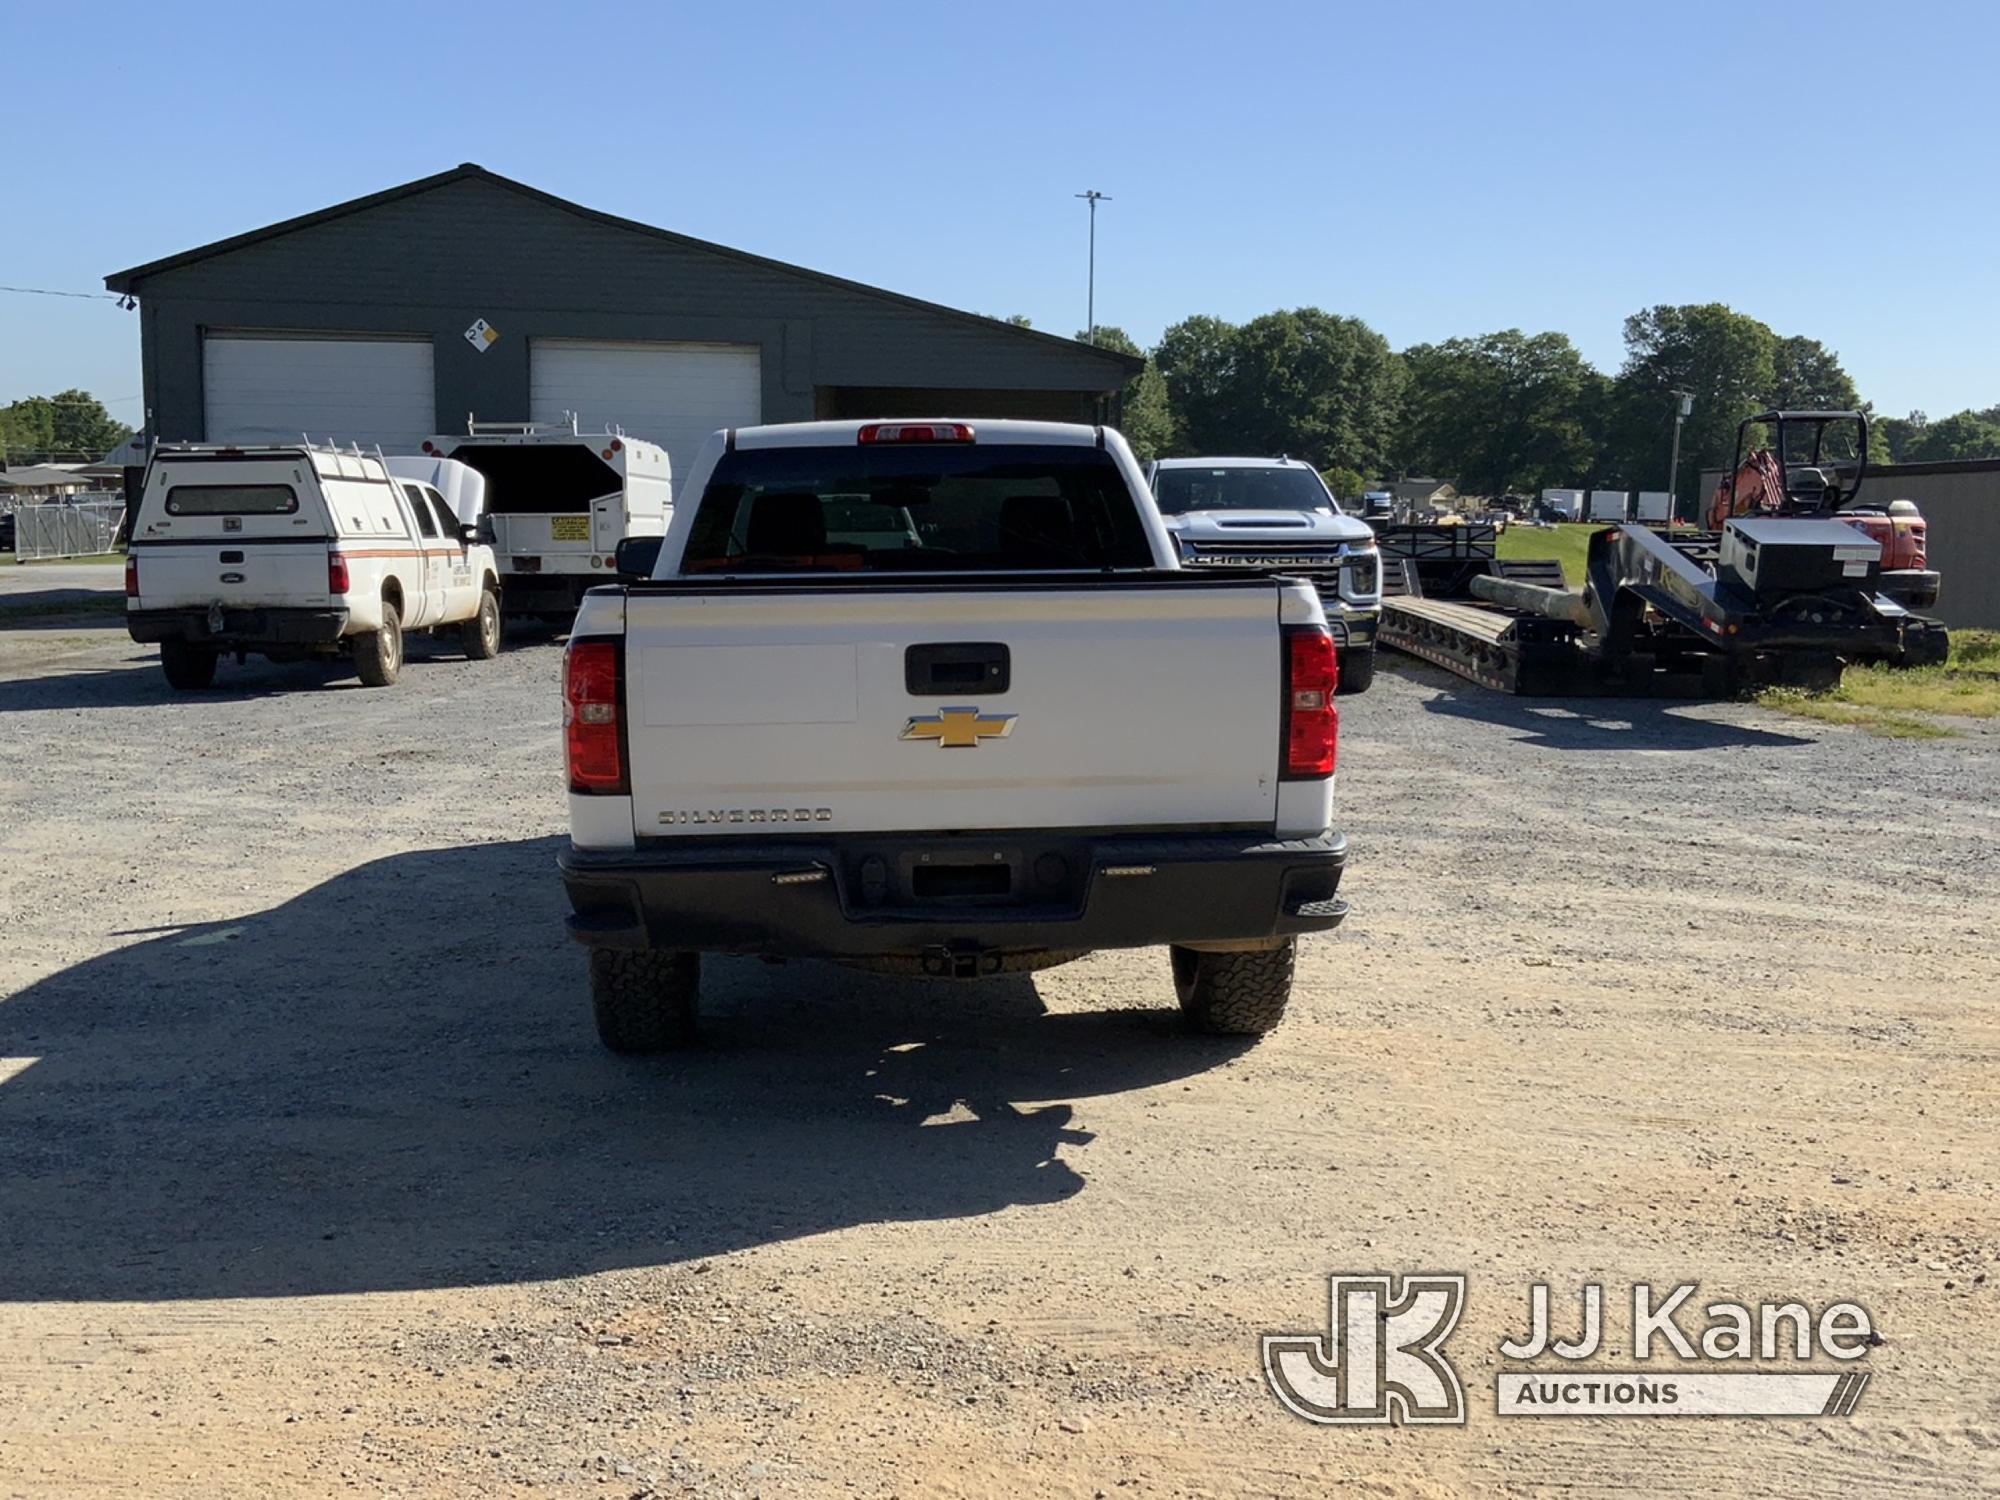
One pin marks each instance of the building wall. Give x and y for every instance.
(1961, 501)
(431, 263)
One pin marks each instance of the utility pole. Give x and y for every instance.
(1681, 413)
(1093, 198)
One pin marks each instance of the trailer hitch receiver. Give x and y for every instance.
(960, 961)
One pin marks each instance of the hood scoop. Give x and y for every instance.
(1266, 523)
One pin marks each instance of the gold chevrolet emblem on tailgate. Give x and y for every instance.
(958, 728)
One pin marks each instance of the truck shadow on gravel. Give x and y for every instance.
(391, 1082)
(1601, 723)
(139, 683)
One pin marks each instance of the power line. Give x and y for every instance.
(42, 291)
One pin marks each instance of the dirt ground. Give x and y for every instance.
(313, 1179)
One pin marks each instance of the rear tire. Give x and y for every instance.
(378, 655)
(645, 1000)
(1234, 994)
(188, 667)
(1357, 670)
(481, 633)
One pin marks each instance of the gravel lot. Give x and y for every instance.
(313, 1178)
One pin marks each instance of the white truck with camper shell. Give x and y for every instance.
(293, 552)
(558, 502)
(1276, 515)
(938, 697)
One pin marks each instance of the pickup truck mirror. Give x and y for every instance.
(468, 533)
(637, 556)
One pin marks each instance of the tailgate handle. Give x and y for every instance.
(937, 668)
(232, 557)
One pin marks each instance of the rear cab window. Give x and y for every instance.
(916, 508)
(231, 500)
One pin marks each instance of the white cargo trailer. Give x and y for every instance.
(1655, 506)
(1609, 505)
(558, 502)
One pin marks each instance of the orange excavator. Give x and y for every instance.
(1799, 476)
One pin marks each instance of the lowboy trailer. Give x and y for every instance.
(1765, 601)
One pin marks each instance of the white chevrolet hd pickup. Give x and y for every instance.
(937, 698)
(1275, 515)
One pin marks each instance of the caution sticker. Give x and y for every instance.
(569, 528)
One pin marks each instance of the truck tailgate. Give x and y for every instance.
(1126, 705)
(239, 575)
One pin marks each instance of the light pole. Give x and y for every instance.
(1681, 413)
(1093, 198)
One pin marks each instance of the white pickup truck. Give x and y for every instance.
(937, 697)
(1277, 515)
(290, 552)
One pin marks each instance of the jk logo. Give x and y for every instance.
(1380, 1358)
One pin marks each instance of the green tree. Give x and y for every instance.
(1147, 422)
(1346, 484)
(1196, 358)
(1503, 412)
(1965, 434)
(68, 426)
(1727, 359)
(1305, 382)
(1900, 435)
(1808, 376)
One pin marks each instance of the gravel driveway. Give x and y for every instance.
(313, 1178)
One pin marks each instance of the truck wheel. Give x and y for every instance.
(187, 665)
(645, 1000)
(481, 633)
(378, 655)
(1357, 670)
(1234, 994)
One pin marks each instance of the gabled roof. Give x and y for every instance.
(128, 281)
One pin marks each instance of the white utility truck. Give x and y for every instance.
(1276, 515)
(558, 502)
(997, 729)
(291, 552)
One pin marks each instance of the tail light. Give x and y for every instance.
(131, 576)
(337, 581)
(914, 432)
(1312, 723)
(593, 737)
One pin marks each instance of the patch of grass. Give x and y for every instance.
(1882, 699)
(1567, 544)
(107, 559)
(46, 610)
(1829, 709)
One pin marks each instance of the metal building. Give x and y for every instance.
(394, 316)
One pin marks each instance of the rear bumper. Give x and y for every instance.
(537, 593)
(859, 897)
(246, 628)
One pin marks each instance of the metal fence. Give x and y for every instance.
(81, 528)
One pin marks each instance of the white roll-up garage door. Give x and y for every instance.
(261, 389)
(671, 394)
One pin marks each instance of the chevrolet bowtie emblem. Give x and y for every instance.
(958, 728)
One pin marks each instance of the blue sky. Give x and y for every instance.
(1436, 169)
